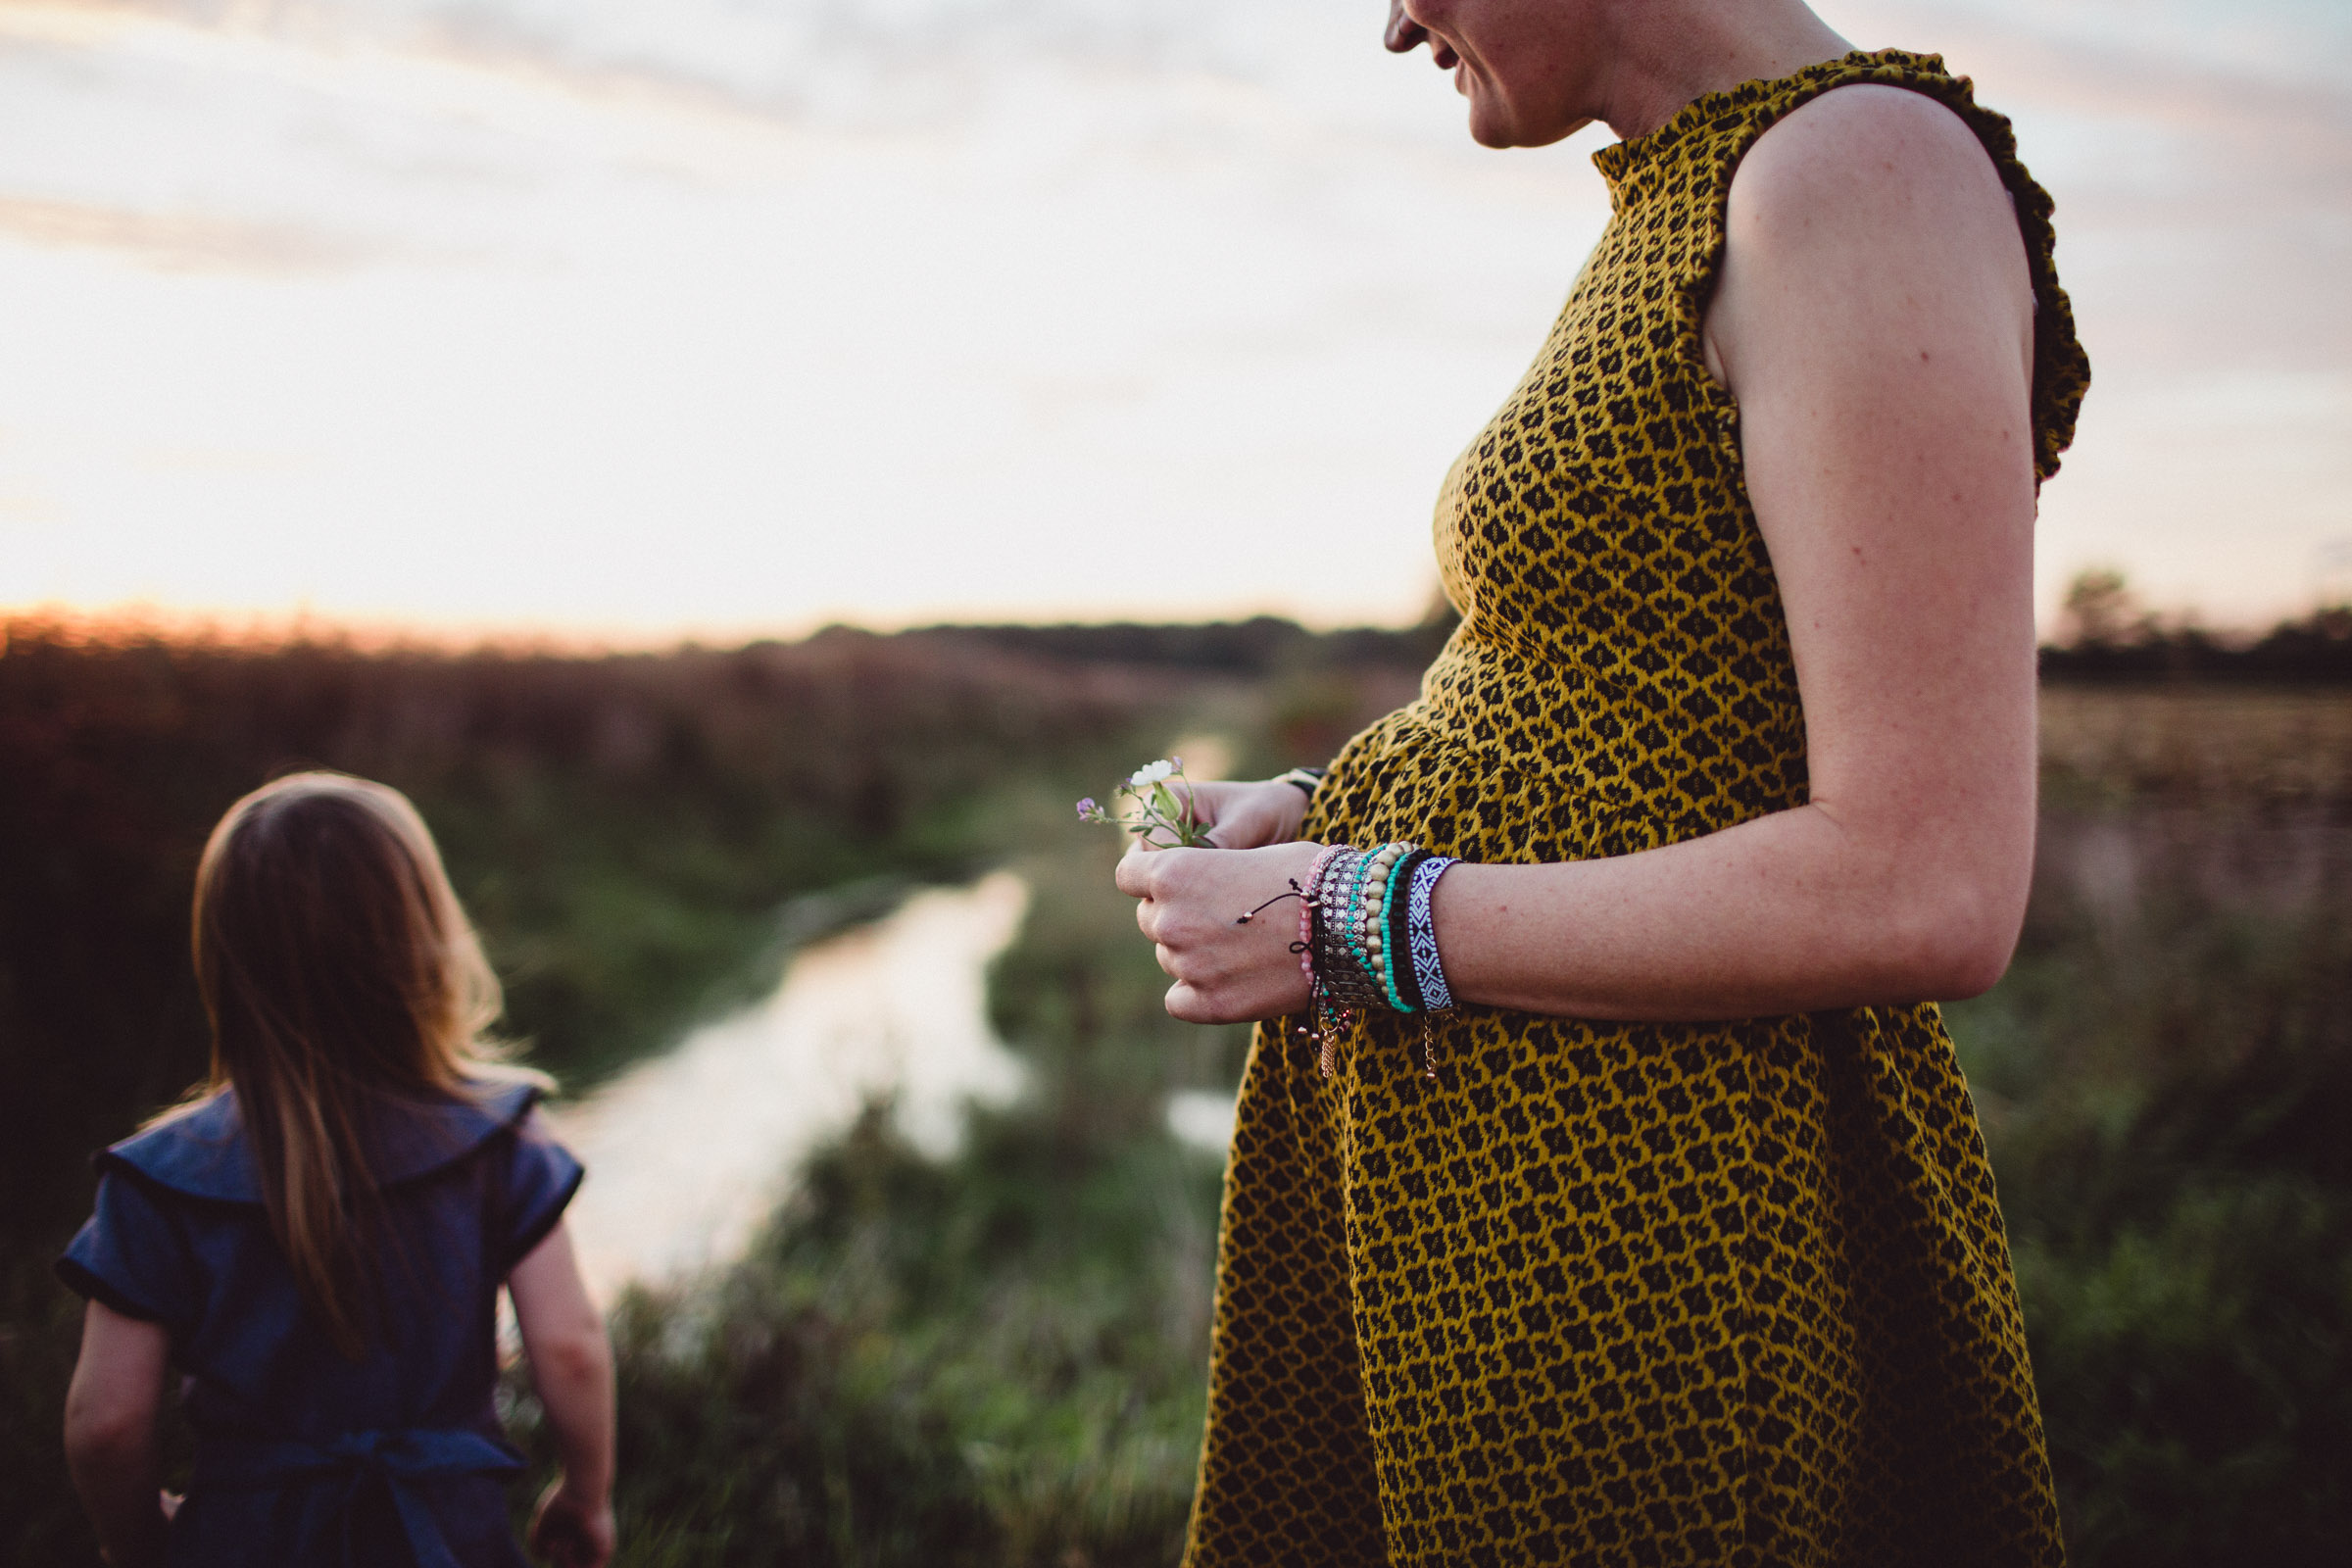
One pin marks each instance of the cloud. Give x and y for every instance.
(183, 242)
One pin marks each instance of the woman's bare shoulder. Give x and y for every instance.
(1859, 220)
(1870, 153)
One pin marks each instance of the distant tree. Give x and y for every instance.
(2101, 611)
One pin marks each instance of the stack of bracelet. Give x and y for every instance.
(1366, 939)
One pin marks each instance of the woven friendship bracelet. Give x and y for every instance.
(1421, 934)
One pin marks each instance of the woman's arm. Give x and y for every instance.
(1874, 318)
(111, 1449)
(572, 1367)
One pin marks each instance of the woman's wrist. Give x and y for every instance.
(1290, 803)
(1367, 939)
(1306, 780)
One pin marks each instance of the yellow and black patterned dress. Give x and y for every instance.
(1726, 1292)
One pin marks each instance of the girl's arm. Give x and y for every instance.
(111, 1448)
(1875, 319)
(572, 1367)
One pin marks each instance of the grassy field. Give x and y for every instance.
(642, 838)
(998, 1358)
(2166, 1082)
(627, 831)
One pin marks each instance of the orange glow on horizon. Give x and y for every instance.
(599, 327)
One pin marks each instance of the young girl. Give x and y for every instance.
(317, 1240)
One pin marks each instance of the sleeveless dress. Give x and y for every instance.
(303, 1455)
(1606, 1293)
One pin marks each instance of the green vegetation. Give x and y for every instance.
(2166, 1080)
(2112, 638)
(998, 1358)
(642, 838)
(625, 829)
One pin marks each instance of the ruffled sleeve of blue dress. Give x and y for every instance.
(302, 1455)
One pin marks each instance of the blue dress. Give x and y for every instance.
(304, 1456)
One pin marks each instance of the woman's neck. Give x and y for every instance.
(1666, 55)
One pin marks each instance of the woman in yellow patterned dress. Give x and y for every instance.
(1688, 1252)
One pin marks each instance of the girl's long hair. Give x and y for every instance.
(338, 972)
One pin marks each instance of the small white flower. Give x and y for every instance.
(1152, 773)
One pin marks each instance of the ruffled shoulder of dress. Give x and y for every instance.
(1694, 154)
(2061, 367)
(203, 1152)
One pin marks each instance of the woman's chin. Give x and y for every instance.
(1491, 130)
(1492, 124)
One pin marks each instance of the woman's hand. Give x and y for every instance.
(1225, 972)
(1248, 816)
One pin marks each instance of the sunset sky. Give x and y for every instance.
(636, 318)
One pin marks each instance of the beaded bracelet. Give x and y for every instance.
(1402, 977)
(1366, 940)
(1363, 942)
(1304, 947)
(1343, 963)
(1389, 947)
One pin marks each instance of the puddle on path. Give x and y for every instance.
(688, 1152)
